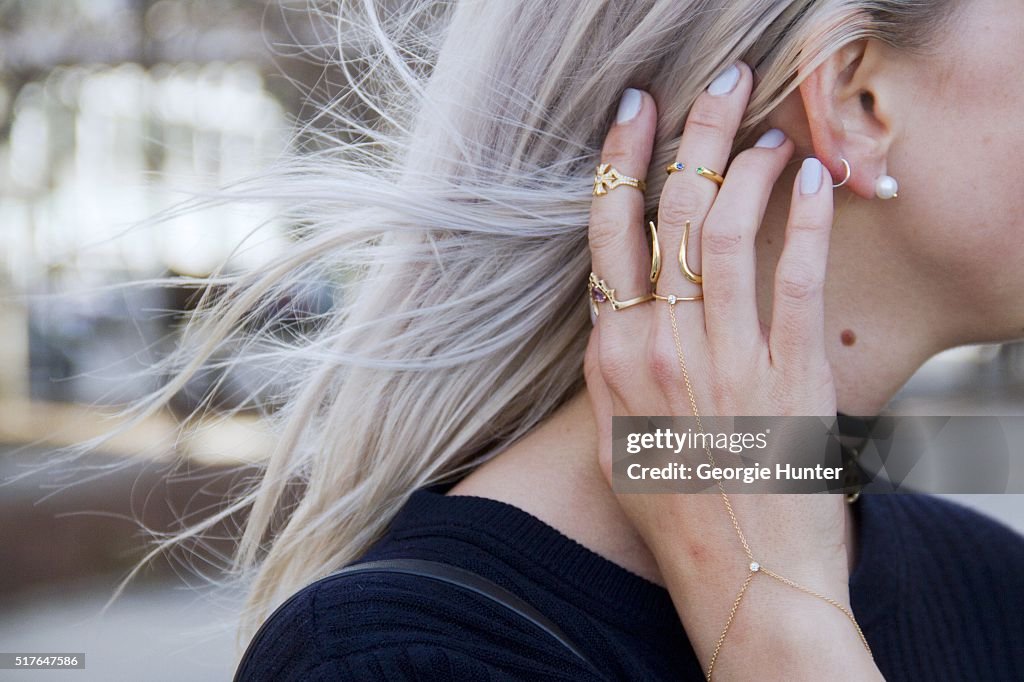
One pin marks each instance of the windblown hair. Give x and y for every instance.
(454, 229)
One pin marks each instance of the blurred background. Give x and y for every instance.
(111, 110)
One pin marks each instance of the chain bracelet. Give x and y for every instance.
(755, 566)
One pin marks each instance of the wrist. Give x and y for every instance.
(804, 538)
(782, 633)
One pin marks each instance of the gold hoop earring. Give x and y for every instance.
(847, 164)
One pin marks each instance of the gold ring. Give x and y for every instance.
(684, 266)
(607, 178)
(600, 292)
(674, 167)
(710, 175)
(673, 299)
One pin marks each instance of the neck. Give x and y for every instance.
(881, 322)
(553, 473)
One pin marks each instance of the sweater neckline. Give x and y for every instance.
(530, 545)
(538, 550)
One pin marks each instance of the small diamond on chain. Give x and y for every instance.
(671, 299)
(755, 567)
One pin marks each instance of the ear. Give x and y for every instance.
(848, 100)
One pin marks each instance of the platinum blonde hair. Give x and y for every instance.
(454, 229)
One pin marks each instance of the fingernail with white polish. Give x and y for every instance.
(725, 82)
(771, 139)
(810, 176)
(629, 105)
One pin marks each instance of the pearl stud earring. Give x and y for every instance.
(886, 187)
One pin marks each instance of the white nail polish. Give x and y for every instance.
(810, 176)
(771, 139)
(725, 82)
(629, 105)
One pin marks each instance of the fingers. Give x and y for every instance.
(706, 142)
(727, 245)
(797, 337)
(618, 244)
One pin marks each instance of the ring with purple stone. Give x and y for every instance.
(600, 292)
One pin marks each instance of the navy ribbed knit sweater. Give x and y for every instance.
(937, 589)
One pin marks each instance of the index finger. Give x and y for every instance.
(618, 245)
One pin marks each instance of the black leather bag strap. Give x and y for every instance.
(446, 573)
(471, 582)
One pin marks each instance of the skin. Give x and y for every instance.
(945, 125)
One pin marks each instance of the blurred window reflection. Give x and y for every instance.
(111, 110)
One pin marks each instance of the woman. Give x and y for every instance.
(457, 407)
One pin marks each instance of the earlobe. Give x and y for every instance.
(886, 186)
(846, 122)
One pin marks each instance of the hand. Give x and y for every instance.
(735, 366)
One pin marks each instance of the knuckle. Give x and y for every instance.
(662, 360)
(707, 118)
(721, 240)
(678, 206)
(804, 224)
(615, 376)
(664, 368)
(605, 232)
(616, 367)
(799, 285)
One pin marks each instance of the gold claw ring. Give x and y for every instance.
(710, 175)
(600, 292)
(684, 267)
(607, 178)
(672, 299)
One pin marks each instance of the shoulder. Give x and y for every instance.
(944, 551)
(384, 626)
(945, 524)
(939, 590)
